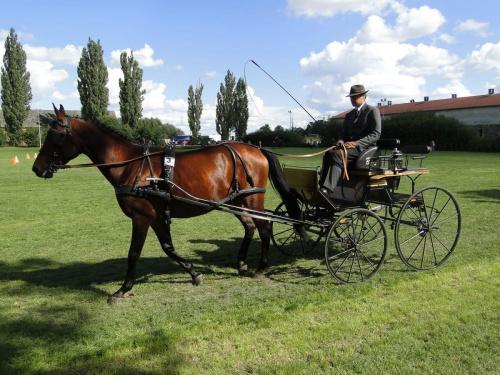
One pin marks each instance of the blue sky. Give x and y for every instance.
(400, 50)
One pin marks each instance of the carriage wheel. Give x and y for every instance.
(287, 240)
(356, 246)
(427, 228)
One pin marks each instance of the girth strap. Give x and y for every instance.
(235, 153)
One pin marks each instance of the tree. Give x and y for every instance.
(92, 79)
(240, 110)
(195, 108)
(16, 89)
(224, 115)
(131, 95)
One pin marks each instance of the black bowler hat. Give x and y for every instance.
(357, 90)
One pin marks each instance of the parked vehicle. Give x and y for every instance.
(205, 140)
(182, 140)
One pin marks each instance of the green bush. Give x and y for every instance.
(3, 138)
(30, 137)
(420, 128)
(265, 136)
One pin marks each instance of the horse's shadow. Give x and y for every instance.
(218, 260)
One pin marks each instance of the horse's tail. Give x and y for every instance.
(281, 186)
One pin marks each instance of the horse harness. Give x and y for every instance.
(161, 186)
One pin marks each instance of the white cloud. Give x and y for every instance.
(380, 57)
(211, 74)
(454, 87)
(485, 58)
(143, 56)
(330, 8)
(410, 24)
(57, 95)
(69, 55)
(425, 60)
(43, 78)
(478, 28)
(449, 39)
(114, 75)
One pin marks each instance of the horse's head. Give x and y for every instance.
(58, 148)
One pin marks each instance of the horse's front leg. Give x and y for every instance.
(162, 231)
(140, 229)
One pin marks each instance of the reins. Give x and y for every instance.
(343, 153)
(115, 164)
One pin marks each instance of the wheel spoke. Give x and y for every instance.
(433, 215)
(356, 246)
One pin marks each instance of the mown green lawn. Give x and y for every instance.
(63, 249)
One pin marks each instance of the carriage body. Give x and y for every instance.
(352, 222)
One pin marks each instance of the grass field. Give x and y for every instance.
(63, 249)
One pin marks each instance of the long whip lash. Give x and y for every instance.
(301, 106)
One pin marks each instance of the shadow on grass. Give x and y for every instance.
(48, 340)
(37, 337)
(87, 276)
(483, 196)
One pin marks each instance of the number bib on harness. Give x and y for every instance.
(168, 163)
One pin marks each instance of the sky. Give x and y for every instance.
(315, 49)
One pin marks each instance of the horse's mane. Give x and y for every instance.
(111, 130)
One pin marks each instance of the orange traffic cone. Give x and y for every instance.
(14, 160)
(28, 156)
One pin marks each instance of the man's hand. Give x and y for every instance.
(350, 145)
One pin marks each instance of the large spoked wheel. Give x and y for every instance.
(355, 246)
(287, 240)
(427, 228)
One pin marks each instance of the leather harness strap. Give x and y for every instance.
(343, 154)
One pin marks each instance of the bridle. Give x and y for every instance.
(55, 139)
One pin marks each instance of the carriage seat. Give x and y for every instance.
(363, 160)
(362, 163)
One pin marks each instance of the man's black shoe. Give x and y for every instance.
(327, 194)
(326, 191)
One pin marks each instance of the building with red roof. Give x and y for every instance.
(482, 112)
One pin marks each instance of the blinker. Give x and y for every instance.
(54, 137)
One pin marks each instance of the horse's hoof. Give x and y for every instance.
(243, 270)
(198, 279)
(114, 299)
(259, 275)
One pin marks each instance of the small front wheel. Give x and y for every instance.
(356, 246)
(287, 240)
(427, 228)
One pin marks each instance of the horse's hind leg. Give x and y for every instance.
(249, 226)
(162, 231)
(264, 228)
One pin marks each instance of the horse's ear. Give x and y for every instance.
(61, 108)
(55, 109)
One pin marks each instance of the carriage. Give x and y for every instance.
(232, 177)
(353, 222)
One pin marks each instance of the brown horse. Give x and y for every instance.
(210, 174)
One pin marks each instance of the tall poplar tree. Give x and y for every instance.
(195, 108)
(224, 115)
(92, 80)
(131, 95)
(16, 89)
(240, 110)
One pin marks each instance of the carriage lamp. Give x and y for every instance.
(396, 161)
